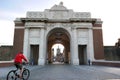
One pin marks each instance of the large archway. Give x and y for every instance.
(58, 36)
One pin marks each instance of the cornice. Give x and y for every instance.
(70, 20)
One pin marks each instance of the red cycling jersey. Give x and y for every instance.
(19, 57)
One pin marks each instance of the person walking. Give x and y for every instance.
(89, 62)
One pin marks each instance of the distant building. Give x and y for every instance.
(58, 50)
(80, 35)
(59, 56)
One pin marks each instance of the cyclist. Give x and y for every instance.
(18, 62)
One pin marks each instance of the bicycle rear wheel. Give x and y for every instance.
(25, 74)
(11, 75)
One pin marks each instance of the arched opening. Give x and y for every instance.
(59, 37)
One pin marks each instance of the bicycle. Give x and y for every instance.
(14, 74)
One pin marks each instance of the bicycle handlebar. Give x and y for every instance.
(24, 63)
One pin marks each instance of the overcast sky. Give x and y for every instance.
(107, 10)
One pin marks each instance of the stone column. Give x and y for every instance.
(26, 46)
(90, 50)
(74, 48)
(41, 60)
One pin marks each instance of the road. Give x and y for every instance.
(68, 72)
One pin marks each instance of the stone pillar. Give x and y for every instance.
(26, 46)
(90, 49)
(41, 60)
(74, 48)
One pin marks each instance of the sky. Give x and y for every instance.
(107, 10)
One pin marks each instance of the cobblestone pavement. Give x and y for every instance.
(69, 72)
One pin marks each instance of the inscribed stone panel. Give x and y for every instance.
(35, 15)
(82, 36)
(82, 33)
(34, 40)
(34, 32)
(57, 15)
(81, 15)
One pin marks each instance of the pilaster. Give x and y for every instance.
(41, 60)
(26, 46)
(74, 48)
(90, 45)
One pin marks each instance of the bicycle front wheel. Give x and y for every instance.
(11, 75)
(25, 74)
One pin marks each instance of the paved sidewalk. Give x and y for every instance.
(111, 70)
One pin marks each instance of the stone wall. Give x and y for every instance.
(112, 53)
(107, 63)
(6, 63)
(6, 53)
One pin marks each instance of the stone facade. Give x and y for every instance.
(80, 34)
